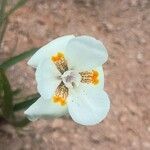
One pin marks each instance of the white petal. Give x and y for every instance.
(85, 52)
(50, 49)
(45, 108)
(88, 107)
(47, 78)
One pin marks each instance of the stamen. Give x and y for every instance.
(60, 62)
(61, 94)
(90, 77)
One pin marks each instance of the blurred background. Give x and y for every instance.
(124, 28)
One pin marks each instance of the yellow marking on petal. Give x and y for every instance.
(90, 77)
(59, 100)
(60, 62)
(57, 57)
(61, 94)
(95, 77)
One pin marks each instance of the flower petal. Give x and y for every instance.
(50, 49)
(45, 108)
(99, 85)
(88, 107)
(47, 78)
(85, 52)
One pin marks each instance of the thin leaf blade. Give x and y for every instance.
(12, 61)
(26, 103)
(19, 4)
(7, 97)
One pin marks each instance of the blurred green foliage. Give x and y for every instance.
(8, 107)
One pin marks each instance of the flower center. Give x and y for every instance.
(71, 78)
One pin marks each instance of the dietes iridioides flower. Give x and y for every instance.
(70, 80)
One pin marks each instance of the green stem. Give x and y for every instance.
(2, 31)
(2, 10)
(18, 5)
(26, 102)
(7, 101)
(12, 10)
(12, 61)
(16, 92)
(3, 25)
(4, 16)
(20, 123)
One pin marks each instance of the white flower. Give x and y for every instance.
(70, 80)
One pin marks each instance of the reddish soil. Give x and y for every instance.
(124, 28)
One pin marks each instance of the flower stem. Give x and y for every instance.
(7, 97)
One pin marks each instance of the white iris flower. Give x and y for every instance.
(70, 80)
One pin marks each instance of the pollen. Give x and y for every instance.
(59, 100)
(59, 56)
(95, 77)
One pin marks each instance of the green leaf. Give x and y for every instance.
(12, 61)
(2, 11)
(20, 123)
(1, 85)
(26, 102)
(16, 92)
(19, 4)
(7, 97)
(2, 5)
(3, 30)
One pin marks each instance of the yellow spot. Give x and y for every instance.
(95, 75)
(59, 100)
(57, 57)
